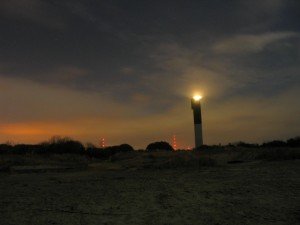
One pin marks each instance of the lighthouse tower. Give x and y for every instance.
(196, 107)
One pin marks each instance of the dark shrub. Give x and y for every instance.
(20, 149)
(159, 146)
(119, 148)
(294, 142)
(95, 152)
(275, 143)
(5, 148)
(202, 147)
(279, 154)
(63, 145)
(210, 148)
(246, 145)
(125, 148)
(25, 149)
(108, 151)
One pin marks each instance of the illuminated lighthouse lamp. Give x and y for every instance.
(197, 97)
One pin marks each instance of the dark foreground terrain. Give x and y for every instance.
(252, 192)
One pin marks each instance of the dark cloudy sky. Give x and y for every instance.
(125, 70)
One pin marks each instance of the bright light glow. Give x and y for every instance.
(197, 97)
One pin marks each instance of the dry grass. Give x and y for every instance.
(250, 193)
(154, 188)
(37, 160)
(211, 157)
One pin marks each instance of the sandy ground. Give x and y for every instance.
(248, 193)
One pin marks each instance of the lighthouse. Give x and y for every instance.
(196, 107)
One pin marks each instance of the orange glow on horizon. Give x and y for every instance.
(21, 130)
(35, 129)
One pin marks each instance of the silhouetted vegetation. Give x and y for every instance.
(56, 145)
(275, 143)
(20, 149)
(278, 154)
(64, 145)
(239, 151)
(5, 148)
(108, 151)
(120, 148)
(293, 142)
(159, 146)
(246, 145)
(61, 145)
(201, 148)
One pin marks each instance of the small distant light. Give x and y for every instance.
(197, 97)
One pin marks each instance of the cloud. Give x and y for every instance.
(61, 75)
(262, 8)
(183, 72)
(250, 43)
(79, 9)
(37, 11)
(64, 74)
(127, 70)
